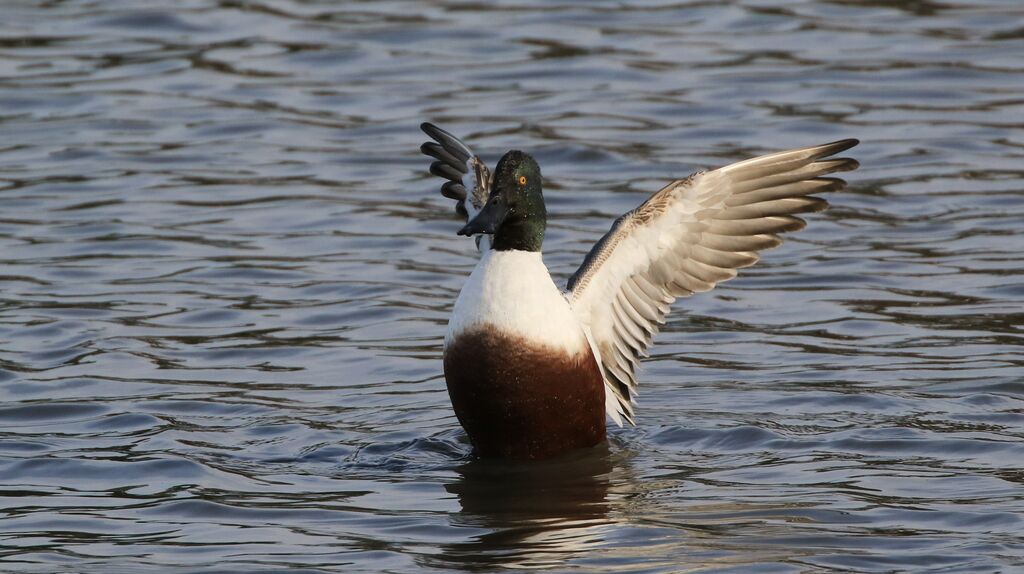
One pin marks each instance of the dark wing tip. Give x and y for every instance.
(792, 223)
(849, 164)
(430, 148)
(815, 204)
(450, 143)
(836, 164)
(446, 171)
(438, 152)
(831, 184)
(437, 134)
(838, 146)
(453, 190)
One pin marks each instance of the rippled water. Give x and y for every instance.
(225, 275)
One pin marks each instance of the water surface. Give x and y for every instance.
(225, 275)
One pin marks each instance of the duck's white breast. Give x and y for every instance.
(512, 291)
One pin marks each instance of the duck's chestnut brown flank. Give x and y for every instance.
(517, 399)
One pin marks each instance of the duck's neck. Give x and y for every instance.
(519, 236)
(523, 231)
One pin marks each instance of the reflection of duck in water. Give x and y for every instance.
(534, 515)
(533, 371)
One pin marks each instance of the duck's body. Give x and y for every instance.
(522, 377)
(532, 371)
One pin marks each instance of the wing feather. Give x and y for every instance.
(691, 235)
(469, 180)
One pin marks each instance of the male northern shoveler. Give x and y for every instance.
(532, 370)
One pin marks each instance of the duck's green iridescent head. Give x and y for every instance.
(515, 212)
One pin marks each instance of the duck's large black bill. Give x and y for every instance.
(488, 220)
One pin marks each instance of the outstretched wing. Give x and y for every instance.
(469, 180)
(684, 239)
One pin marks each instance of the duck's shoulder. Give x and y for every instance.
(512, 294)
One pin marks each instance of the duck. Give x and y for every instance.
(534, 371)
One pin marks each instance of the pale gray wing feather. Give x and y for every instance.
(469, 180)
(686, 238)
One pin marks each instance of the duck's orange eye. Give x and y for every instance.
(522, 180)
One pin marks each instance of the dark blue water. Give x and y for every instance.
(225, 275)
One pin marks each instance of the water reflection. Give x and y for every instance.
(537, 514)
